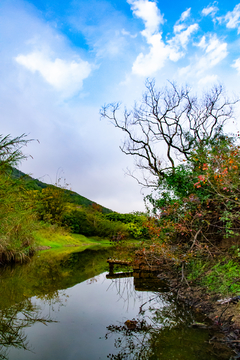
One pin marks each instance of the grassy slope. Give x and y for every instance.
(51, 236)
(55, 237)
(72, 197)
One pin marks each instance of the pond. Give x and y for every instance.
(67, 306)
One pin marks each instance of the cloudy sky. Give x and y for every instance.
(61, 61)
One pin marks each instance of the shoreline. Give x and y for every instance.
(220, 314)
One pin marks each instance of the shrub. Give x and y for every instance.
(50, 204)
(78, 222)
(17, 220)
(136, 223)
(93, 224)
(200, 200)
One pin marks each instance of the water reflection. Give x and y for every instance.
(161, 329)
(93, 315)
(13, 322)
(27, 289)
(47, 273)
(162, 333)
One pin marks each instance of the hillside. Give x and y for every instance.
(72, 197)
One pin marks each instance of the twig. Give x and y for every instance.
(223, 312)
(140, 309)
(223, 340)
(195, 238)
(183, 277)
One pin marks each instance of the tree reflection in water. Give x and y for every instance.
(160, 330)
(13, 321)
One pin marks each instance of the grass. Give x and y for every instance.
(56, 238)
(218, 276)
(221, 276)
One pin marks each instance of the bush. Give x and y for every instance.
(17, 220)
(200, 200)
(50, 204)
(93, 224)
(134, 230)
(136, 223)
(78, 222)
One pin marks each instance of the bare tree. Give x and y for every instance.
(169, 123)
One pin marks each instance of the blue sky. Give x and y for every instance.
(60, 61)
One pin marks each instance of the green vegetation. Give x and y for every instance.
(207, 205)
(16, 215)
(192, 166)
(194, 206)
(58, 237)
(197, 210)
(135, 223)
(71, 196)
(220, 276)
(58, 269)
(17, 220)
(35, 215)
(91, 223)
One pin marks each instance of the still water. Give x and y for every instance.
(67, 307)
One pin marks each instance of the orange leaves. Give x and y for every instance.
(211, 184)
(201, 179)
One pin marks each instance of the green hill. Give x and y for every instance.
(72, 197)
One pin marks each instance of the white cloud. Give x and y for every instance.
(236, 65)
(232, 18)
(184, 71)
(209, 79)
(182, 38)
(127, 33)
(214, 52)
(160, 51)
(202, 43)
(209, 10)
(111, 48)
(146, 65)
(185, 15)
(149, 13)
(178, 27)
(63, 75)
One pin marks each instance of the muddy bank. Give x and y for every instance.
(220, 315)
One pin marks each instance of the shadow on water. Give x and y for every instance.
(44, 277)
(48, 272)
(161, 328)
(13, 321)
(66, 306)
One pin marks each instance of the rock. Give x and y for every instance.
(131, 324)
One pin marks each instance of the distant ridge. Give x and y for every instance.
(72, 197)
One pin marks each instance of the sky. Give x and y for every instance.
(61, 61)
